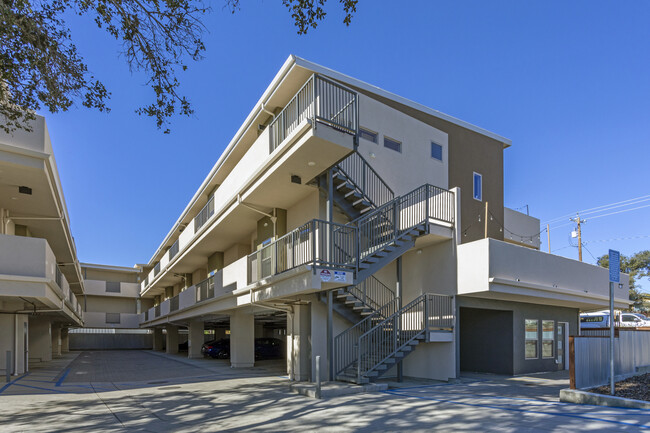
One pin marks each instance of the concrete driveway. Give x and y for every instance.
(149, 391)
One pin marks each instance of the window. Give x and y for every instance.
(548, 338)
(436, 151)
(113, 286)
(478, 187)
(393, 144)
(531, 339)
(368, 135)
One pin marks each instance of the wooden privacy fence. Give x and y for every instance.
(589, 357)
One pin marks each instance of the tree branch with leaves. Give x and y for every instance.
(41, 67)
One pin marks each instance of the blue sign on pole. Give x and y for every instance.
(614, 266)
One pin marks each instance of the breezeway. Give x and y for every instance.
(144, 390)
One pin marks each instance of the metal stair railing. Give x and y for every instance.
(365, 179)
(382, 342)
(319, 99)
(384, 225)
(319, 243)
(372, 293)
(345, 344)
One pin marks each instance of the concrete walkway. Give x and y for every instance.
(176, 394)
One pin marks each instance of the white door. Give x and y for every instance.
(562, 345)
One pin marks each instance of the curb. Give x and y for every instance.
(584, 397)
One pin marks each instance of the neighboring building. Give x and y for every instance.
(372, 228)
(111, 308)
(41, 286)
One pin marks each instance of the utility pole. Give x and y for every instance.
(548, 237)
(578, 221)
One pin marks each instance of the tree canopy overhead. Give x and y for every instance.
(41, 67)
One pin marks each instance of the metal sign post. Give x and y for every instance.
(614, 277)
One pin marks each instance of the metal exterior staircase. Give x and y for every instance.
(358, 302)
(370, 348)
(356, 185)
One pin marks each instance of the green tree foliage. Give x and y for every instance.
(638, 267)
(41, 67)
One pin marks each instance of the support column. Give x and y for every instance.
(40, 339)
(219, 333)
(195, 339)
(299, 343)
(172, 339)
(242, 339)
(157, 339)
(56, 341)
(65, 340)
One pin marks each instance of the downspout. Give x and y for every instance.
(15, 345)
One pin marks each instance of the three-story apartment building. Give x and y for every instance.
(374, 228)
(41, 284)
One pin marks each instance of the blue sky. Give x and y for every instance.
(567, 82)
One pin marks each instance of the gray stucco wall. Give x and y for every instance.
(520, 312)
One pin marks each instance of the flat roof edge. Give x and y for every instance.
(400, 99)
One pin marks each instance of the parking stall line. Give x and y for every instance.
(514, 409)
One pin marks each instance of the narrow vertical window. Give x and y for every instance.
(548, 338)
(532, 339)
(436, 151)
(478, 187)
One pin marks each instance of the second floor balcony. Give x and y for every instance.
(316, 128)
(29, 273)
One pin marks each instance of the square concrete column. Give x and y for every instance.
(242, 339)
(65, 340)
(195, 339)
(40, 339)
(56, 341)
(299, 343)
(157, 339)
(172, 338)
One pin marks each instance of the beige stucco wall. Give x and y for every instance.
(414, 166)
(521, 228)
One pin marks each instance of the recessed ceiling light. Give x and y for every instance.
(14, 198)
(311, 163)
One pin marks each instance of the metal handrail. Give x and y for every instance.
(205, 289)
(319, 99)
(173, 250)
(427, 312)
(365, 179)
(173, 303)
(345, 344)
(387, 223)
(372, 293)
(317, 242)
(204, 214)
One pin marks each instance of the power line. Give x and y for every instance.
(620, 211)
(593, 209)
(617, 239)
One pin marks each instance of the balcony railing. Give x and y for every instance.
(205, 289)
(317, 242)
(204, 214)
(156, 269)
(173, 303)
(321, 100)
(173, 250)
(341, 246)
